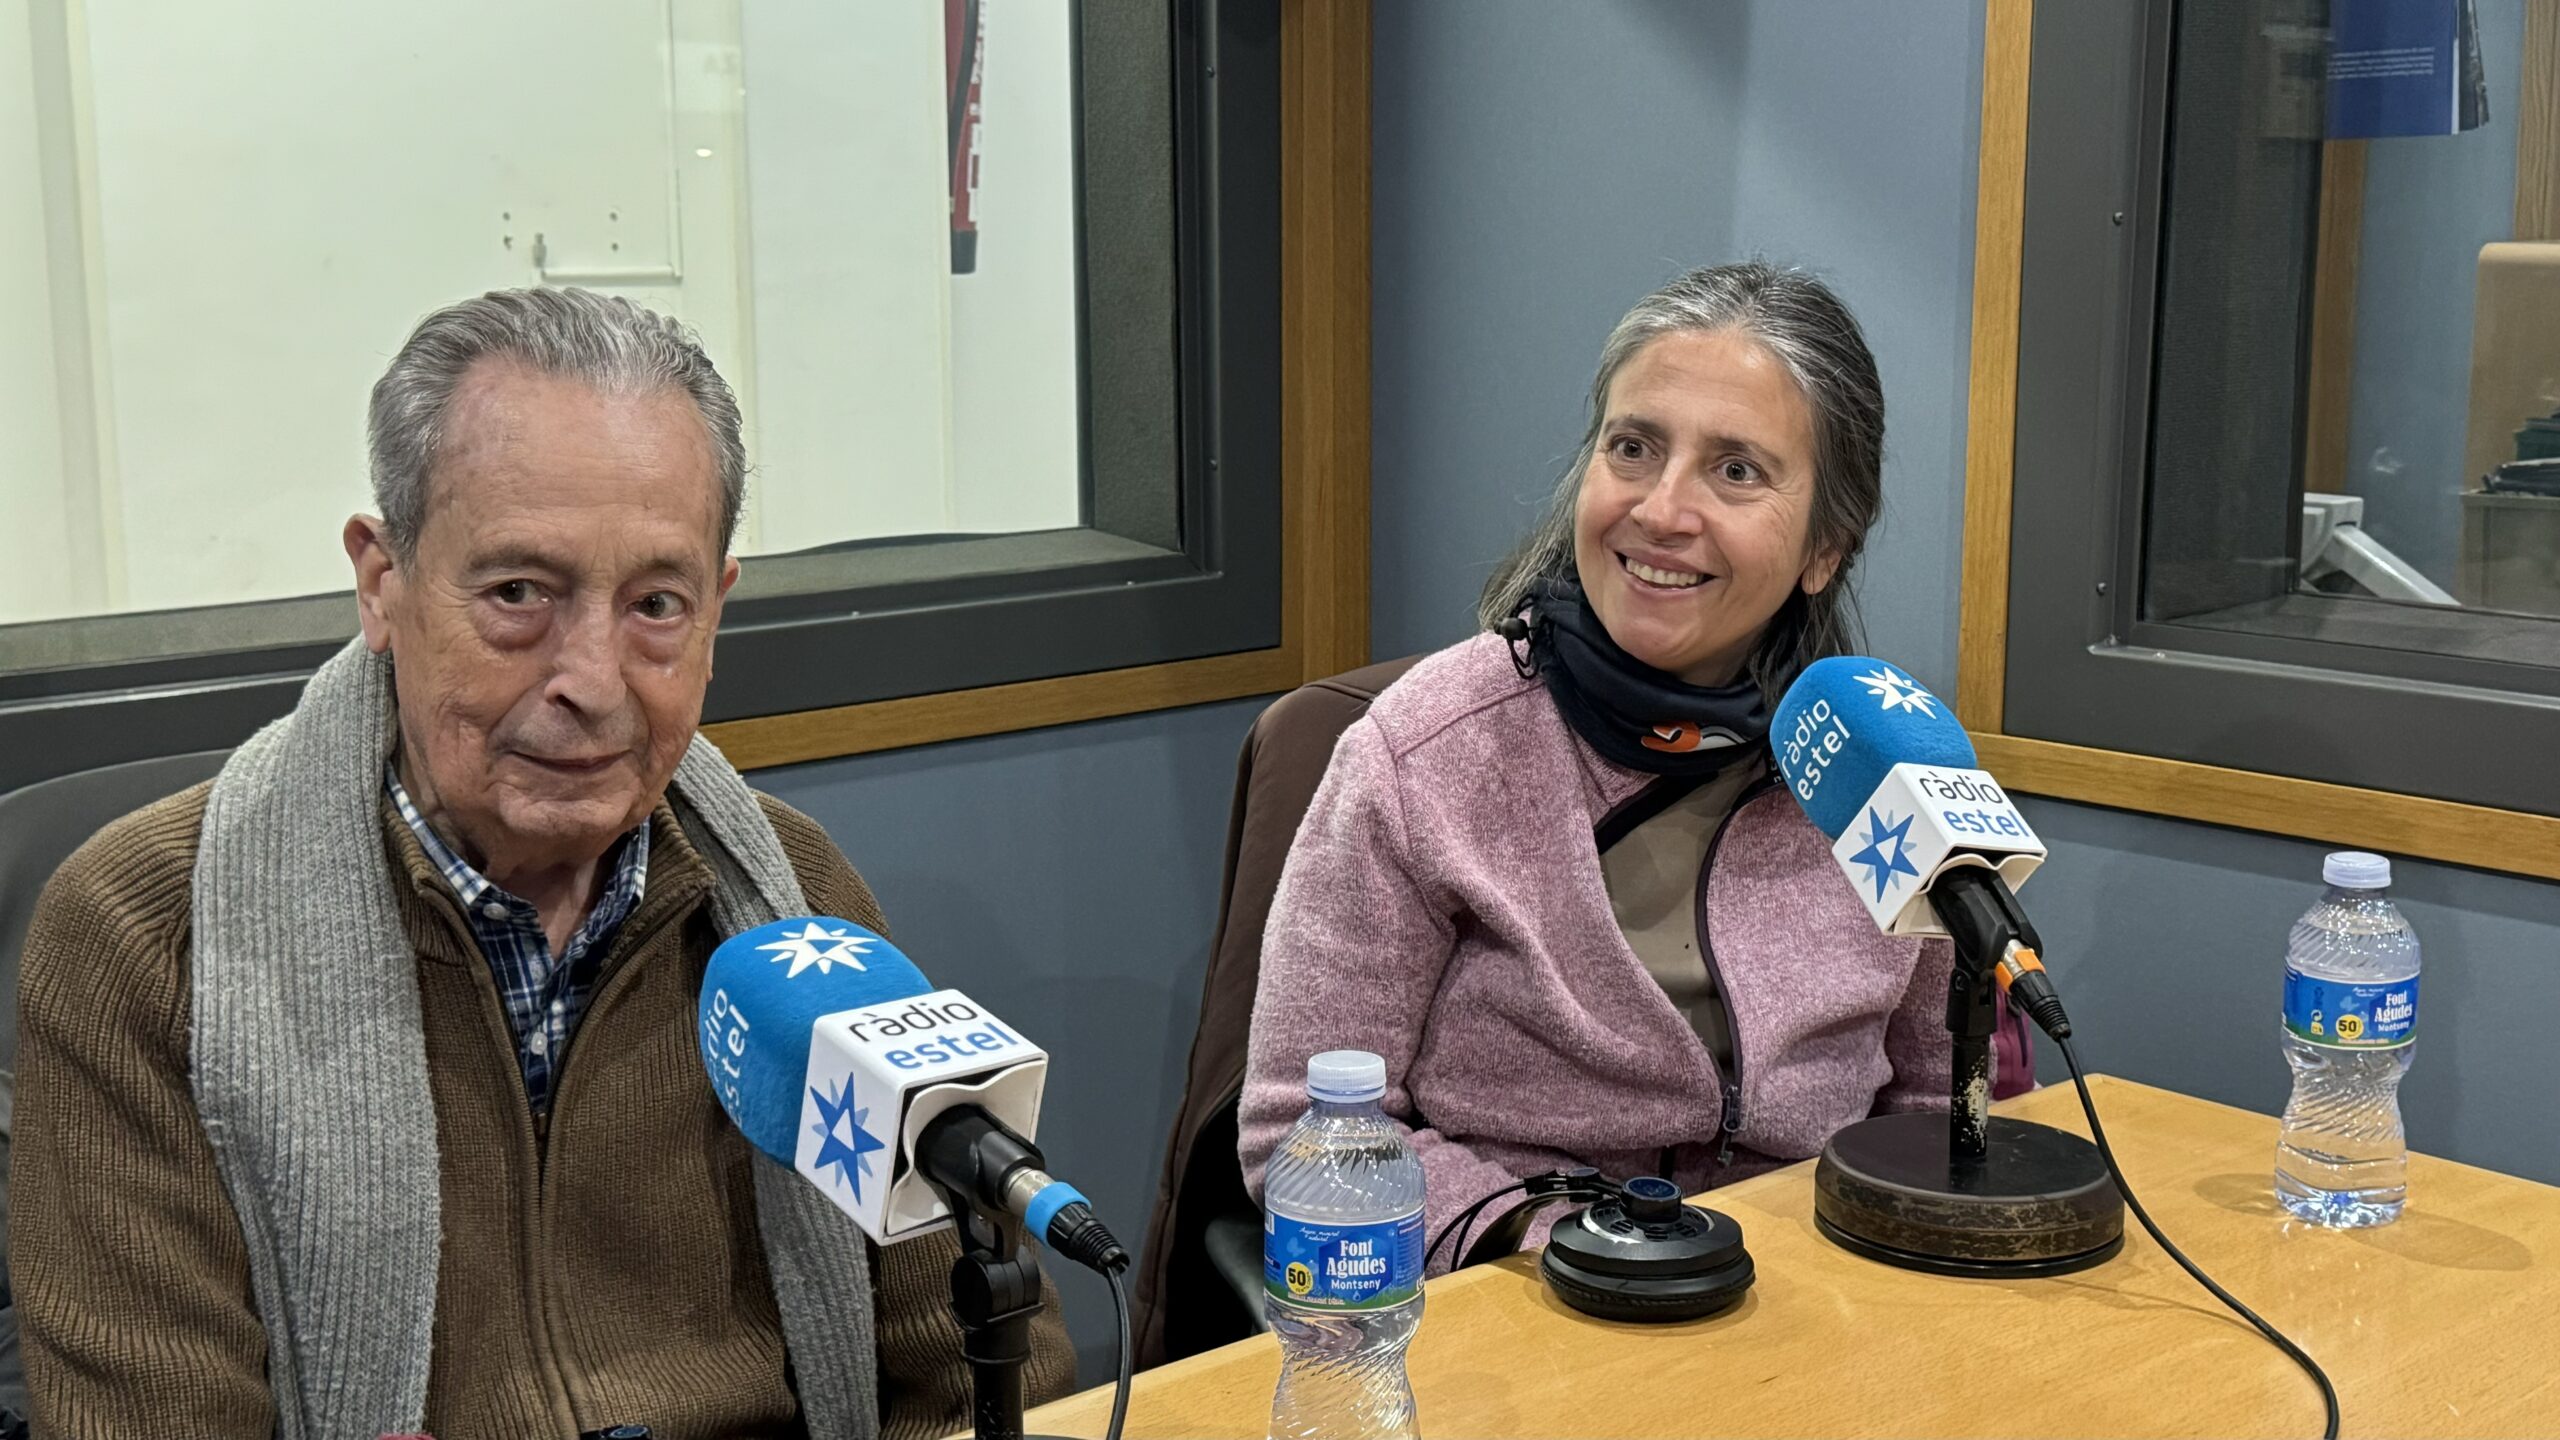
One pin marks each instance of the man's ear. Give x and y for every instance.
(368, 545)
(719, 598)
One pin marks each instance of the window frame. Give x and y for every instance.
(2069, 692)
(1265, 587)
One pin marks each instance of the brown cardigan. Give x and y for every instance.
(603, 1268)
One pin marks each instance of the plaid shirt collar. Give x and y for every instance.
(544, 995)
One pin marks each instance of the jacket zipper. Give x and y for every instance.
(1730, 1124)
(530, 1130)
(535, 1128)
(626, 947)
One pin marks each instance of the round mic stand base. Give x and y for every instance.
(2038, 1201)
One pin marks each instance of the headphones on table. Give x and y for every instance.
(1633, 1251)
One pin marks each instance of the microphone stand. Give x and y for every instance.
(1974, 1194)
(995, 1284)
(1983, 921)
(995, 1290)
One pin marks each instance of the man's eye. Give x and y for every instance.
(659, 605)
(513, 592)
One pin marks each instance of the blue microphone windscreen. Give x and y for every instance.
(761, 994)
(1846, 722)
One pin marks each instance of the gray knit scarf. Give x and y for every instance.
(310, 1071)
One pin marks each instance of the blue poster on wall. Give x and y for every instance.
(2404, 67)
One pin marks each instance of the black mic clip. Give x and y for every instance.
(1995, 944)
(967, 1156)
(998, 1187)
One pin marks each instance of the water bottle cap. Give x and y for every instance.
(2356, 870)
(1346, 1076)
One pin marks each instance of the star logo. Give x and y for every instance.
(849, 1153)
(1898, 692)
(817, 945)
(1884, 863)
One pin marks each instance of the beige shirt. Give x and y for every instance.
(1652, 877)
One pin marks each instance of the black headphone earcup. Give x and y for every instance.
(1687, 1271)
(1644, 1301)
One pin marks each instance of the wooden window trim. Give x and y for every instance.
(2512, 841)
(2538, 125)
(1324, 461)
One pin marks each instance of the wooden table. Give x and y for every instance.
(2445, 1323)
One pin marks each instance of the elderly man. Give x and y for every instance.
(359, 1090)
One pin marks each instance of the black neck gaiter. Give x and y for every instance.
(1634, 715)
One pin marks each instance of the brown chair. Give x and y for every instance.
(1200, 1281)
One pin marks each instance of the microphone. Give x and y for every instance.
(1931, 843)
(1934, 847)
(905, 1103)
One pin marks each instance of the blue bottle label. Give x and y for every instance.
(2346, 1015)
(1342, 1267)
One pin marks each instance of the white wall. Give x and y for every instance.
(269, 193)
(285, 187)
(1013, 322)
(897, 397)
(851, 246)
(34, 550)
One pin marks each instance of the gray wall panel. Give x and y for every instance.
(1537, 167)
(1858, 123)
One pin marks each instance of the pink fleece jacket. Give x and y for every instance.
(1443, 907)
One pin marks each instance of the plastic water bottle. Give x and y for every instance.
(1342, 1258)
(2350, 1023)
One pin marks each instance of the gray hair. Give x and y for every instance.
(604, 340)
(1804, 325)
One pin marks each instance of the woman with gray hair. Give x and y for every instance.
(1549, 876)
